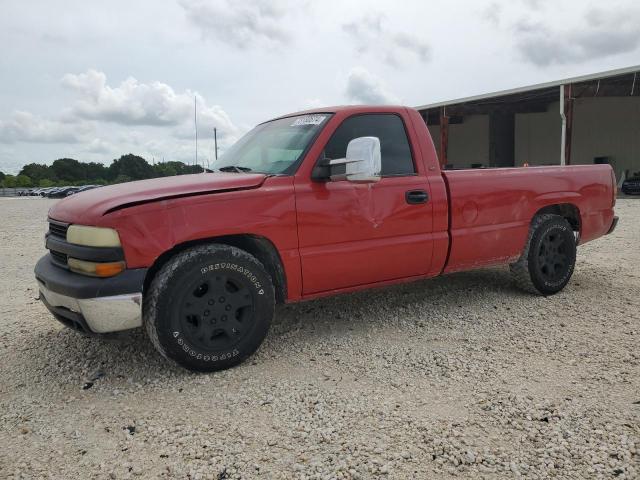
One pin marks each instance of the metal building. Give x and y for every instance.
(589, 119)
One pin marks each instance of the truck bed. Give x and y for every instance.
(490, 209)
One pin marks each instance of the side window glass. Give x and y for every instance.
(389, 128)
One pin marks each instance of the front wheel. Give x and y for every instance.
(209, 307)
(548, 260)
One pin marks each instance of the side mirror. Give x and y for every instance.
(363, 161)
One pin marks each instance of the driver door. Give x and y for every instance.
(353, 234)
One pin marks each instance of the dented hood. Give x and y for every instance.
(87, 207)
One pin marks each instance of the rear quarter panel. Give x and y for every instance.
(491, 209)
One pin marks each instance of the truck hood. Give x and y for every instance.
(86, 207)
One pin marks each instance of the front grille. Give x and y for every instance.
(58, 258)
(58, 229)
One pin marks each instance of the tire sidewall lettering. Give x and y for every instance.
(191, 351)
(235, 268)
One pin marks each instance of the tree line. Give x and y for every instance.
(67, 171)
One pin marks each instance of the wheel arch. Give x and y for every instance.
(260, 247)
(568, 211)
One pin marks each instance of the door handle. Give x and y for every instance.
(414, 197)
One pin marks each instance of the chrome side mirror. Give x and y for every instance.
(363, 163)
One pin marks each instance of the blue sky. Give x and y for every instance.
(94, 80)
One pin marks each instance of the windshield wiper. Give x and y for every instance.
(234, 168)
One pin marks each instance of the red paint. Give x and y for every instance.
(338, 236)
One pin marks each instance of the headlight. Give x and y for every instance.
(93, 236)
(95, 269)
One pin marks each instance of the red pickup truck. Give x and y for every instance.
(306, 205)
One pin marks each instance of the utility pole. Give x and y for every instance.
(215, 141)
(195, 122)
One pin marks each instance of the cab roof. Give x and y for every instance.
(346, 108)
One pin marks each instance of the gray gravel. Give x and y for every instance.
(461, 376)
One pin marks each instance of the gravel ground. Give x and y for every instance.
(461, 376)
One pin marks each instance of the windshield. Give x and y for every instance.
(273, 147)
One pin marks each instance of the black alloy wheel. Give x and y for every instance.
(209, 307)
(547, 262)
(553, 256)
(215, 312)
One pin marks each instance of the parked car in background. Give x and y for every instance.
(52, 192)
(61, 192)
(84, 188)
(46, 191)
(70, 191)
(631, 186)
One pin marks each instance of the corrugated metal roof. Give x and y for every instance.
(540, 86)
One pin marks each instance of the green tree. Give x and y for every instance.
(165, 169)
(188, 169)
(23, 181)
(68, 170)
(37, 172)
(95, 170)
(9, 181)
(132, 166)
(122, 179)
(2, 175)
(45, 182)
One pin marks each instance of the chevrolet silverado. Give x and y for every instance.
(306, 205)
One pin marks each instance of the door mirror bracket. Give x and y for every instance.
(362, 163)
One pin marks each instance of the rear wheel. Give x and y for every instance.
(547, 263)
(209, 307)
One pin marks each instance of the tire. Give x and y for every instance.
(549, 257)
(209, 307)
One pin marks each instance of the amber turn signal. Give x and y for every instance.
(96, 269)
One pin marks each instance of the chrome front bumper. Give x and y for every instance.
(101, 314)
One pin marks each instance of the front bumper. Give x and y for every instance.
(91, 305)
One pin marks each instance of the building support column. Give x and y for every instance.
(444, 136)
(502, 128)
(566, 113)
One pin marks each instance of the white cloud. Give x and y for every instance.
(27, 127)
(542, 39)
(98, 145)
(534, 4)
(150, 119)
(370, 36)
(492, 13)
(239, 23)
(364, 87)
(133, 103)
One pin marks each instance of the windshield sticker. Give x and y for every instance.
(308, 120)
